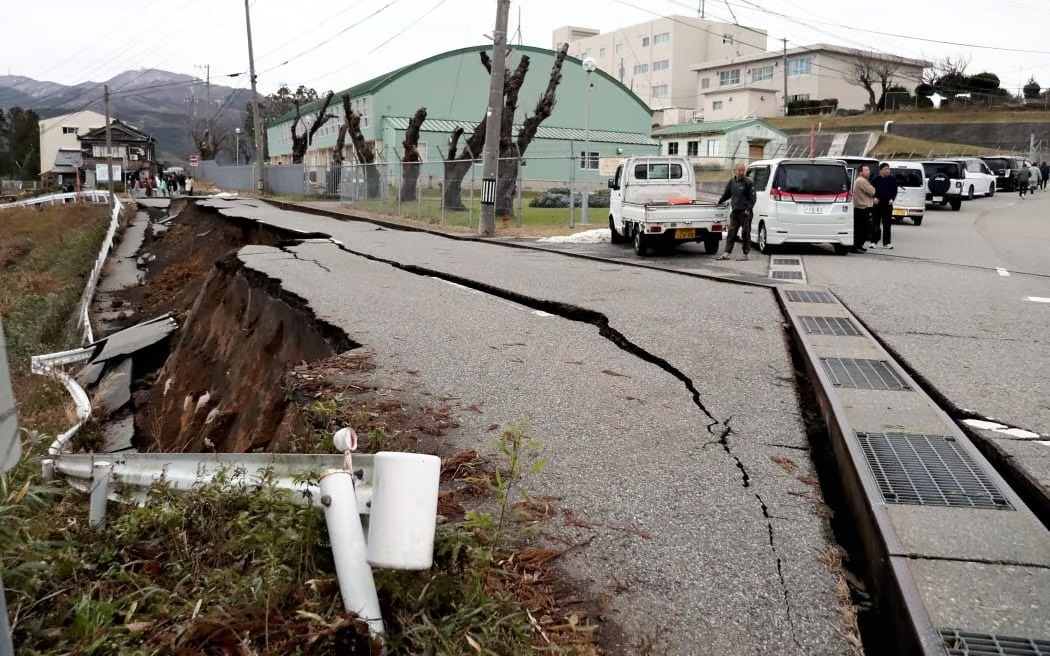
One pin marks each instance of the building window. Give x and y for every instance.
(726, 78)
(589, 160)
(705, 83)
(693, 148)
(640, 69)
(727, 39)
(761, 73)
(601, 52)
(712, 148)
(619, 48)
(659, 91)
(797, 67)
(672, 147)
(797, 97)
(661, 65)
(662, 37)
(70, 130)
(716, 105)
(645, 42)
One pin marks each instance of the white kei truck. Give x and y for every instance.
(653, 203)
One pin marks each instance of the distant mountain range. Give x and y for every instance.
(158, 102)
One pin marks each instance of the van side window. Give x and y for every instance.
(759, 176)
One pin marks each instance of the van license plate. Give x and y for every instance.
(937, 199)
(685, 233)
(812, 209)
(899, 212)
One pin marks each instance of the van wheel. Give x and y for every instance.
(991, 190)
(841, 249)
(956, 204)
(916, 220)
(640, 246)
(970, 195)
(763, 240)
(711, 244)
(615, 237)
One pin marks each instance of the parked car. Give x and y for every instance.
(653, 203)
(944, 183)
(911, 191)
(979, 178)
(1005, 168)
(802, 201)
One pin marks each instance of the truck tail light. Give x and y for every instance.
(716, 228)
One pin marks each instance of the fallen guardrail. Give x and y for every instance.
(83, 317)
(90, 196)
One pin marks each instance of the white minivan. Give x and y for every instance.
(911, 191)
(802, 201)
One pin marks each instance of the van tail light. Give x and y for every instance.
(778, 195)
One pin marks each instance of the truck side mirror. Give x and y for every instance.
(612, 184)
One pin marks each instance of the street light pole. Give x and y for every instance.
(256, 118)
(588, 66)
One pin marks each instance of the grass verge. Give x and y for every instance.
(892, 146)
(909, 117)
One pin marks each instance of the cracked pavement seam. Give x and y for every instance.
(601, 321)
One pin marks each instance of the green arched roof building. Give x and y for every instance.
(454, 86)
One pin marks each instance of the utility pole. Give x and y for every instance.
(490, 159)
(207, 90)
(257, 119)
(700, 11)
(784, 65)
(109, 152)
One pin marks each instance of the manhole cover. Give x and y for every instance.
(962, 643)
(839, 326)
(799, 296)
(928, 470)
(863, 374)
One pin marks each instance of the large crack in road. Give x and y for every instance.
(720, 429)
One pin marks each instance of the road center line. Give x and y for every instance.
(1003, 272)
(1038, 299)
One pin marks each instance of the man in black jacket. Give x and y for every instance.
(742, 192)
(882, 213)
(1044, 169)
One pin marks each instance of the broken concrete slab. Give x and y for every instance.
(114, 390)
(135, 338)
(118, 435)
(90, 374)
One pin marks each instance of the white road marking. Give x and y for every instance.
(1003, 272)
(1038, 299)
(1043, 443)
(1000, 428)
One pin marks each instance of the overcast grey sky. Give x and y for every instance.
(330, 44)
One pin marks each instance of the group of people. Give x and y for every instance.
(168, 184)
(1032, 178)
(873, 200)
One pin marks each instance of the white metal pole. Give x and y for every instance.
(347, 536)
(100, 475)
(586, 153)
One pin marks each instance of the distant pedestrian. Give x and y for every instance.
(740, 191)
(189, 186)
(1023, 176)
(882, 214)
(1037, 179)
(1044, 169)
(863, 201)
(163, 186)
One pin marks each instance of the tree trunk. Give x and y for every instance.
(301, 142)
(507, 181)
(366, 155)
(455, 170)
(410, 161)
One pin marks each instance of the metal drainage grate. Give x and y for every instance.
(799, 296)
(863, 374)
(961, 643)
(786, 261)
(787, 275)
(928, 470)
(840, 326)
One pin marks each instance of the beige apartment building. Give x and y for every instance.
(752, 86)
(656, 59)
(61, 132)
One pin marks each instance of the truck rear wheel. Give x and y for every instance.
(615, 236)
(711, 243)
(640, 245)
(956, 204)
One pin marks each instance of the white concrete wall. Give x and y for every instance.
(53, 138)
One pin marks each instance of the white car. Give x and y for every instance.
(801, 201)
(980, 181)
(911, 191)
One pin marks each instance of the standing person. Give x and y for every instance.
(882, 214)
(742, 192)
(189, 186)
(863, 201)
(1037, 179)
(1044, 169)
(1023, 176)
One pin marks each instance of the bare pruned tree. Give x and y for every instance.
(209, 142)
(365, 151)
(869, 71)
(411, 158)
(301, 142)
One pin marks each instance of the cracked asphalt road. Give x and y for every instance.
(658, 399)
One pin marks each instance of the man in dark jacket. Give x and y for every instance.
(1044, 168)
(882, 212)
(741, 190)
